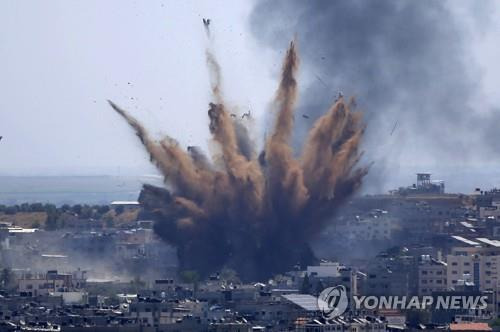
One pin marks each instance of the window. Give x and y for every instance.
(454, 264)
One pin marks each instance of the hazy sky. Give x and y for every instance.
(61, 60)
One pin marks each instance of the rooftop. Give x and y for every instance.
(125, 203)
(464, 240)
(469, 327)
(305, 301)
(493, 243)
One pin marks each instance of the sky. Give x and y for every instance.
(61, 60)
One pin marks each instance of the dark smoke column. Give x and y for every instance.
(411, 65)
(255, 215)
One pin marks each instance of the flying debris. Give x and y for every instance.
(206, 22)
(394, 128)
(1, 138)
(242, 208)
(340, 95)
(305, 116)
(246, 115)
(233, 115)
(321, 81)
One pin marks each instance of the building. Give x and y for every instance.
(469, 327)
(31, 284)
(382, 280)
(432, 275)
(475, 261)
(354, 324)
(122, 206)
(488, 203)
(424, 185)
(375, 227)
(324, 269)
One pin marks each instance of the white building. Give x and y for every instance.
(324, 269)
(37, 284)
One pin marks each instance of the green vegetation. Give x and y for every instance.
(51, 217)
(306, 285)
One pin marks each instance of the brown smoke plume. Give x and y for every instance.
(255, 215)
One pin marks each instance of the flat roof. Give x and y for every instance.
(466, 224)
(464, 240)
(493, 243)
(470, 327)
(305, 301)
(54, 256)
(22, 230)
(125, 203)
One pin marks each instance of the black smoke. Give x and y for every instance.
(408, 62)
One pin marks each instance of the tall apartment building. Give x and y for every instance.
(475, 261)
(432, 276)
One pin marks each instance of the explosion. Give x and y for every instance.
(253, 213)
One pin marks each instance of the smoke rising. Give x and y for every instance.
(253, 214)
(410, 61)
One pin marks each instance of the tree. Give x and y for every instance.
(86, 212)
(77, 209)
(110, 223)
(51, 221)
(119, 209)
(229, 275)
(25, 207)
(306, 285)
(11, 210)
(65, 208)
(137, 284)
(191, 277)
(7, 278)
(319, 287)
(37, 207)
(103, 209)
